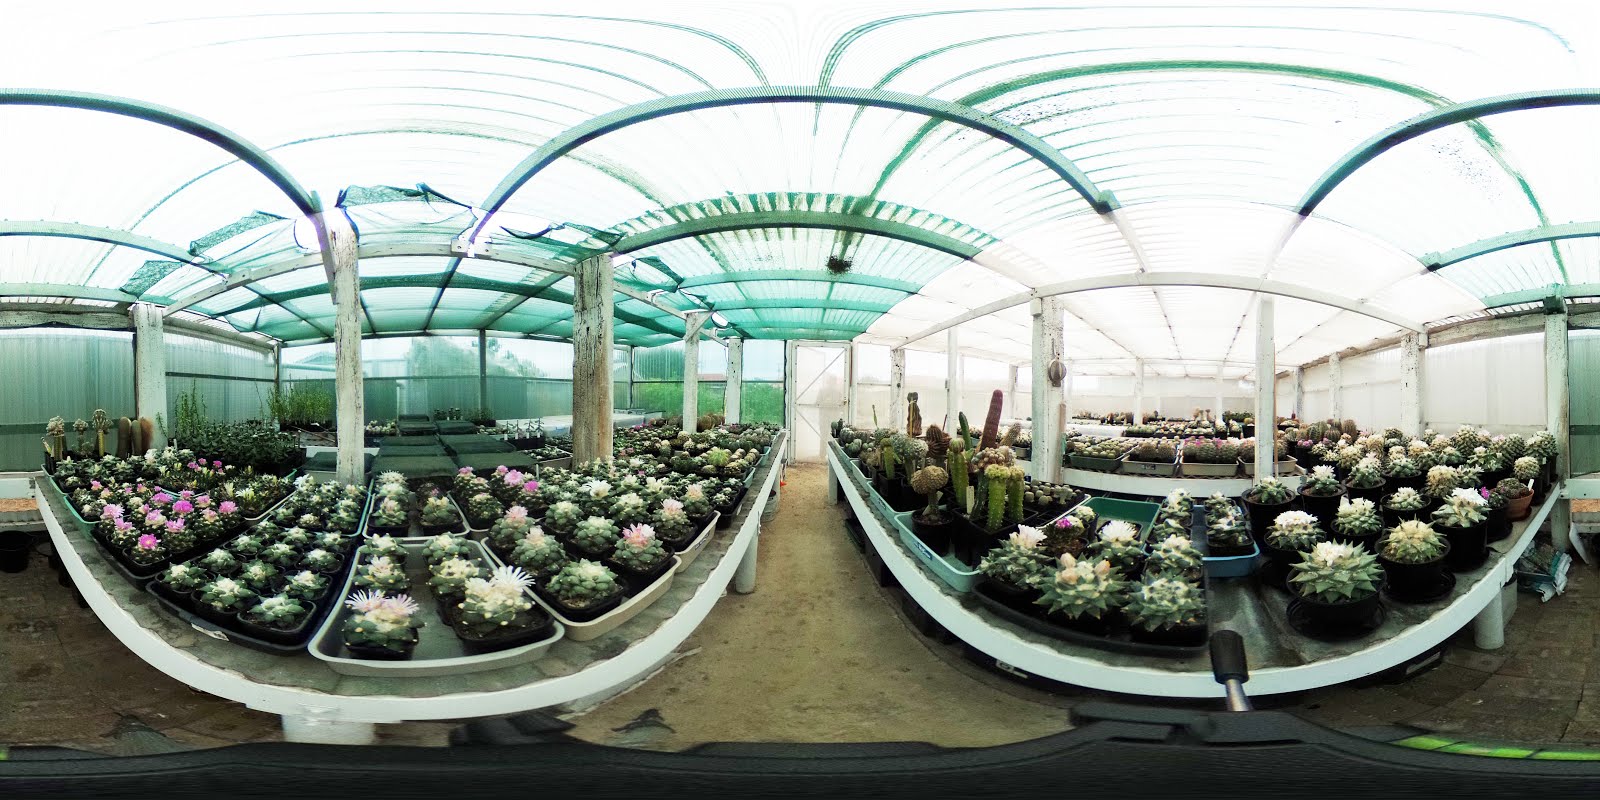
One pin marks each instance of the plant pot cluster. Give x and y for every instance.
(397, 508)
(483, 619)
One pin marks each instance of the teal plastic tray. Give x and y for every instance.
(955, 574)
(1138, 513)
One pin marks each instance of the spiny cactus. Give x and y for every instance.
(1333, 572)
(995, 478)
(595, 535)
(1119, 543)
(1413, 542)
(1321, 482)
(1462, 509)
(991, 423)
(1366, 473)
(1268, 490)
(1018, 560)
(1165, 602)
(1442, 480)
(1228, 531)
(639, 549)
(1081, 588)
(1405, 499)
(381, 621)
(1294, 530)
(538, 553)
(956, 466)
(562, 518)
(1358, 517)
(1525, 468)
(449, 575)
(1174, 555)
(305, 584)
(583, 583)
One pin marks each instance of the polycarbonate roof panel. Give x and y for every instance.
(1206, 123)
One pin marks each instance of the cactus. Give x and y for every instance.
(1165, 602)
(629, 509)
(1268, 491)
(449, 575)
(1017, 562)
(305, 585)
(938, 444)
(639, 550)
(1525, 468)
(991, 423)
(385, 546)
(583, 583)
(928, 482)
(382, 573)
(562, 518)
(381, 621)
(887, 457)
(1014, 485)
(1082, 588)
(102, 423)
(444, 546)
(995, 478)
(220, 561)
(1321, 482)
(1413, 542)
(913, 415)
(965, 431)
(1462, 509)
(183, 577)
(56, 433)
(1228, 531)
(595, 535)
(1118, 543)
(439, 512)
(956, 467)
(1405, 499)
(1294, 530)
(1174, 555)
(1442, 480)
(483, 509)
(1511, 488)
(389, 513)
(1335, 573)
(280, 554)
(539, 554)
(226, 595)
(1358, 517)
(1065, 535)
(695, 503)
(672, 523)
(278, 611)
(497, 602)
(1401, 466)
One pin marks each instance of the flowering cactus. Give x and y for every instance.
(1174, 555)
(444, 546)
(382, 573)
(450, 575)
(595, 535)
(497, 602)
(563, 517)
(1019, 561)
(672, 523)
(483, 509)
(639, 550)
(177, 537)
(385, 546)
(1165, 602)
(695, 503)
(1081, 588)
(539, 553)
(382, 622)
(305, 585)
(1294, 530)
(1119, 544)
(1464, 508)
(1334, 573)
(629, 509)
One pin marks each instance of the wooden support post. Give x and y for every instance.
(733, 396)
(591, 369)
(1266, 388)
(1048, 346)
(897, 391)
(692, 322)
(150, 369)
(338, 240)
(1411, 401)
(1558, 421)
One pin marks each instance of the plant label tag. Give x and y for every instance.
(218, 635)
(1007, 668)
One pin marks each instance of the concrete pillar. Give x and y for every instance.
(1336, 387)
(338, 241)
(1297, 378)
(1411, 383)
(897, 390)
(734, 395)
(850, 394)
(1266, 388)
(1138, 391)
(1048, 346)
(1558, 420)
(150, 369)
(952, 379)
(591, 368)
(483, 369)
(693, 322)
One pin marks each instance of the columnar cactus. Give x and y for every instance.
(1014, 483)
(995, 478)
(913, 415)
(956, 466)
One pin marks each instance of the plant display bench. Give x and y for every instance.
(1281, 659)
(1157, 485)
(320, 705)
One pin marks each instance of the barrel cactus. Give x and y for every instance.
(1294, 530)
(1269, 491)
(583, 584)
(595, 535)
(1525, 468)
(1333, 572)
(1358, 518)
(1366, 473)
(1082, 588)
(1174, 555)
(1413, 542)
(1163, 602)
(1018, 561)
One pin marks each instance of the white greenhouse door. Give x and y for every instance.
(821, 376)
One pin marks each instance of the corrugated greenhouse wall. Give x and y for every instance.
(232, 381)
(58, 372)
(1494, 383)
(658, 379)
(1583, 377)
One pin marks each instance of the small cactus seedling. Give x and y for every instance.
(1413, 542)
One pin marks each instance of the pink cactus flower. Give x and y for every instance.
(174, 525)
(95, 485)
(639, 536)
(183, 507)
(112, 510)
(671, 505)
(149, 542)
(514, 478)
(464, 471)
(202, 501)
(124, 525)
(209, 515)
(161, 499)
(516, 513)
(216, 465)
(1067, 523)
(501, 470)
(530, 487)
(228, 507)
(186, 494)
(154, 519)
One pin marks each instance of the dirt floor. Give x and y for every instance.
(818, 653)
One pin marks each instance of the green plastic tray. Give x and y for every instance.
(955, 574)
(1138, 513)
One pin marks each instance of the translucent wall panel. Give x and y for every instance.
(58, 372)
(1583, 376)
(763, 360)
(762, 402)
(925, 375)
(232, 381)
(1494, 383)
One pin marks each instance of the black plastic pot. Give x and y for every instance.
(1414, 580)
(969, 542)
(1373, 493)
(1369, 542)
(1499, 523)
(936, 535)
(1276, 571)
(1013, 597)
(579, 614)
(373, 653)
(1190, 635)
(1262, 515)
(540, 627)
(1468, 546)
(14, 549)
(1339, 615)
(1103, 625)
(269, 633)
(184, 600)
(1323, 508)
(638, 581)
(1416, 481)
(1391, 517)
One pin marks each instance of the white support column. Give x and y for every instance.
(314, 727)
(1266, 388)
(1216, 408)
(338, 241)
(734, 394)
(897, 390)
(1297, 377)
(692, 323)
(791, 413)
(1558, 421)
(1138, 391)
(1411, 383)
(952, 379)
(1012, 373)
(1048, 347)
(150, 369)
(1336, 387)
(592, 342)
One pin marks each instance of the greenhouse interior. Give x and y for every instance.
(898, 379)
